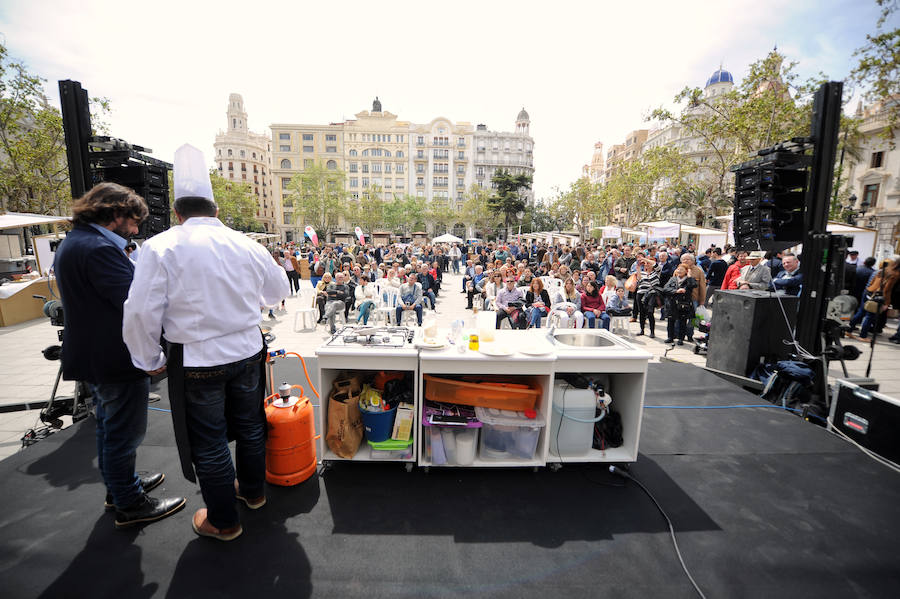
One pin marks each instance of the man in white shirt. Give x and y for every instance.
(202, 284)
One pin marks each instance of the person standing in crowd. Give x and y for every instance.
(755, 275)
(455, 257)
(537, 303)
(292, 270)
(216, 358)
(715, 276)
(322, 296)
(775, 263)
(648, 294)
(790, 279)
(881, 286)
(410, 298)
(678, 292)
(705, 260)
(94, 274)
(623, 265)
(734, 270)
(864, 272)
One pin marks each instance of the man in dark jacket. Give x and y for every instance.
(716, 273)
(94, 275)
(861, 279)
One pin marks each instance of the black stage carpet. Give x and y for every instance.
(764, 504)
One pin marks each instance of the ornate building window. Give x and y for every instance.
(285, 163)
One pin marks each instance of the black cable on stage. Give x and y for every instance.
(626, 475)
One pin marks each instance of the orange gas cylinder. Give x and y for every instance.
(291, 446)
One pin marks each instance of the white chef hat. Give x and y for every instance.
(191, 174)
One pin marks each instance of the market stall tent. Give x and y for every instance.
(662, 229)
(703, 238)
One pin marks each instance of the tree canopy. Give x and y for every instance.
(318, 198)
(506, 201)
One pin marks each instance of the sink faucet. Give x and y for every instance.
(550, 333)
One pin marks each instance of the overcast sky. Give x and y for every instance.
(584, 71)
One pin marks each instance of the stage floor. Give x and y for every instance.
(764, 505)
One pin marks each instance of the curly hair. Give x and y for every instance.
(106, 202)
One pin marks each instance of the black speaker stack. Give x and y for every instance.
(92, 159)
(117, 162)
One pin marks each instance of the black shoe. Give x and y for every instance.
(652, 335)
(639, 334)
(894, 340)
(669, 341)
(680, 342)
(148, 483)
(148, 509)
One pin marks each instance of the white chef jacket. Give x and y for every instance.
(203, 284)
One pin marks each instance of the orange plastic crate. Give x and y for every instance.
(487, 392)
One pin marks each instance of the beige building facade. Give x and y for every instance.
(296, 148)
(377, 152)
(875, 180)
(244, 156)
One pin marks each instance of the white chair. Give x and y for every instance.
(618, 325)
(386, 303)
(307, 313)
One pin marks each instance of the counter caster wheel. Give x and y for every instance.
(324, 466)
(426, 469)
(534, 468)
(409, 466)
(554, 467)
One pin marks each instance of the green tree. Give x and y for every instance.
(237, 203)
(34, 174)
(732, 126)
(441, 215)
(878, 69)
(507, 201)
(580, 204)
(368, 212)
(476, 209)
(318, 197)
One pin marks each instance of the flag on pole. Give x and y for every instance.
(311, 233)
(360, 236)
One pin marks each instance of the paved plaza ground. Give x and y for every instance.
(27, 378)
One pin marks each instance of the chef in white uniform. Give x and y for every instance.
(200, 285)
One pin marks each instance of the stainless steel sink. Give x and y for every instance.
(582, 340)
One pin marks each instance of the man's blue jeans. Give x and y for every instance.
(223, 400)
(417, 308)
(121, 410)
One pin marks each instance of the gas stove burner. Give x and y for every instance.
(370, 336)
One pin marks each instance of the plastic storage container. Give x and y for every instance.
(486, 391)
(508, 435)
(451, 445)
(391, 450)
(571, 424)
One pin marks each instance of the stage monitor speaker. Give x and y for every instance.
(870, 418)
(748, 325)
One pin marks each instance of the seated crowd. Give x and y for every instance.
(530, 284)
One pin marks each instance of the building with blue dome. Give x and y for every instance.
(718, 83)
(720, 76)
